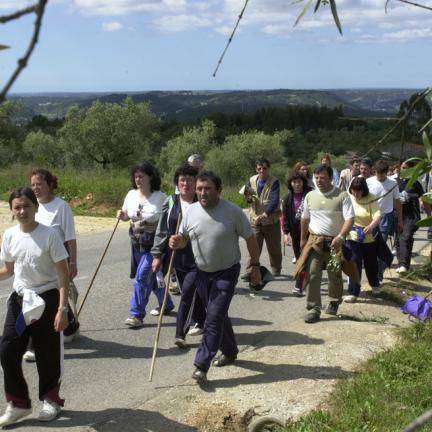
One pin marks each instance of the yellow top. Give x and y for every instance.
(365, 211)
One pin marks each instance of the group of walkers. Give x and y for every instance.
(333, 222)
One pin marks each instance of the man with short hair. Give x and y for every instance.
(387, 192)
(366, 168)
(265, 213)
(348, 174)
(213, 226)
(196, 160)
(327, 218)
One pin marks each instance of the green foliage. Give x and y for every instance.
(199, 139)
(390, 391)
(42, 150)
(235, 160)
(110, 134)
(10, 135)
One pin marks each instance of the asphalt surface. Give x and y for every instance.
(107, 368)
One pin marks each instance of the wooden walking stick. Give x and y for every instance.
(155, 347)
(97, 268)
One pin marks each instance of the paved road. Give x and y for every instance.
(106, 369)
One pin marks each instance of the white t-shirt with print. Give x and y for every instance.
(57, 214)
(138, 207)
(34, 256)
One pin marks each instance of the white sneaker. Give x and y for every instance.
(134, 322)
(70, 338)
(13, 414)
(29, 356)
(401, 269)
(350, 299)
(50, 410)
(196, 330)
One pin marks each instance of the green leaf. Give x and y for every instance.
(421, 168)
(305, 9)
(408, 172)
(427, 198)
(335, 15)
(427, 144)
(427, 222)
(3, 47)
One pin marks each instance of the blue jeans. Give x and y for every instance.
(386, 228)
(145, 282)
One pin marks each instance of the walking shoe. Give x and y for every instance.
(156, 311)
(180, 342)
(134, 322)
(29, 356)
(71, 337)
(224, 360)
(13, 414)
(245, 277)
(196, 330)
(298, 292)
(376, 291)
(401, 269)
(350, 298)
(312, 316)
(50, 410)
(199, 376)
(332, 308)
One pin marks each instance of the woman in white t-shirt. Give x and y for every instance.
(143, 207)
(37, 307)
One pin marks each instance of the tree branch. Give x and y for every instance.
(22, 62)
(6, 18)
(415, 4)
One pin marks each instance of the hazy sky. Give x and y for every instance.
(137, 45)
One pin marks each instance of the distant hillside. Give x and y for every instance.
(190, 105)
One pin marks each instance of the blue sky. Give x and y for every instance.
(139, 45)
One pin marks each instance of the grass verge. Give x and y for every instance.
(386, 394)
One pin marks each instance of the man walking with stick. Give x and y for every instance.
(213, 226)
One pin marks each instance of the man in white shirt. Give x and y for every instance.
(387, 191)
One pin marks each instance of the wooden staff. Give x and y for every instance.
(97, 268)
(155, 347)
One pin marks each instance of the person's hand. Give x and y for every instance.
(287, 240)
(255, 276)
(60, 320)
(73, 270)
(259, 219)
(368, 229)
(121, 215)
(404, 197)
(156, 264)
(176, 241)
(336, 243)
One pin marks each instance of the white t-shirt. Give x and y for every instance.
(138, 207)
(34, 256)
(379, 189)
(57, 214)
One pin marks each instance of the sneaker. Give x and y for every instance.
(312, 316)
(298, 292)
(50, 410)
(29, 356)
(134, 322)
(332, 308)
(199, 376)
(224, 360)
(245, 277)
(350, 298)
(401, 269)
(294, 260)
(180, 342)
(196, 330)
(156, 311)
(376, 290)
(13, 414)
(70, 338)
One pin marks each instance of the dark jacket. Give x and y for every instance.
(411, 208)
(291, 225)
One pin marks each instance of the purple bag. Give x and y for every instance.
(418, 307)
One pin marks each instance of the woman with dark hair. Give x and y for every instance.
(360, 239)
(291, 211)
(143, 207)
(175, 207)
(34, 254)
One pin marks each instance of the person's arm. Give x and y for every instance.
(73, 265)
(340, 238)
(376, 217)
(60, 320)
(161, 238)
(178, 241)
(6, 271)
(253, 249)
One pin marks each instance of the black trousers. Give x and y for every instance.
(405, 242)
(48, 348)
